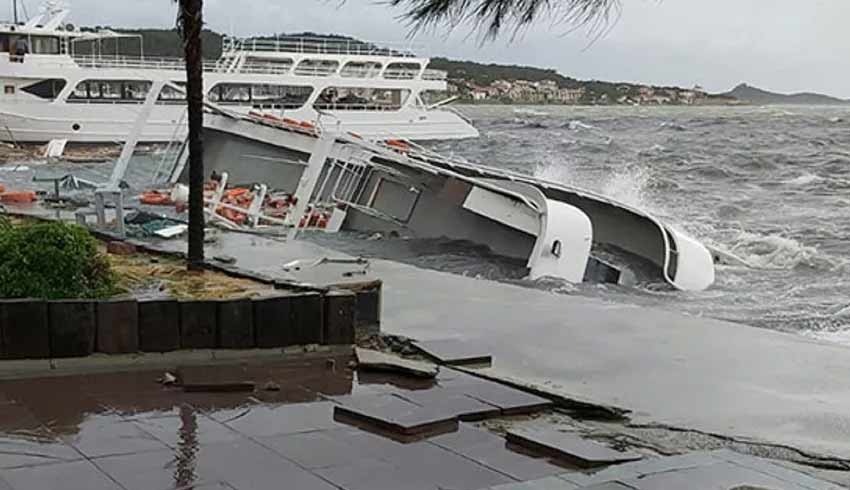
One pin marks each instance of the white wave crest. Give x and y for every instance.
(529, 112)
(804, 179)
(776, 252)
(575, 125)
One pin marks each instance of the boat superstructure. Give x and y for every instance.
(76, 84)
(396, 186)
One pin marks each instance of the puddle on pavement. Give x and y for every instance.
(145, 435)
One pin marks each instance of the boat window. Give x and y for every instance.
(44, 45)
(402, 71)
(170, 95)
(116, 91)
(361, 69)
(4, 43)
(261, 96)
(277, 66)
(361, 99)
(46, 89)
(316, 68)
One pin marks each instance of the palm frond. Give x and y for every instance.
(492, 16)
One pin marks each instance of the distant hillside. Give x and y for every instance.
(752, 95)
(464, 76)
(485, 74)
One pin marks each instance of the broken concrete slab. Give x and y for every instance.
(117, 326)
(395, 417)
(378, 361)
(159, 326)
(568, 446)
(198, 324)
(235, 324)
(23, 329)
(222, 379)
(72, 326)
(463, 407)
(510, 401)
(455, 352)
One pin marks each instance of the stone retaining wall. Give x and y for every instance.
(36, 329)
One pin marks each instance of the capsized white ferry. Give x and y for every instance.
(68, 86)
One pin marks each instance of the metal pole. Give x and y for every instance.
(15, 11)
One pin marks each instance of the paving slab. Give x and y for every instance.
(76, 475)
(467, 436)
(378, 361)
(189, 426)
(261, 420)
(32, 448)
(461, 406)
(373, 475)
(318, 449)
(163, 470)
(106, 436)
(510, 401)
(720, 475)
(247, 465)
(773, 469)
(455, 352)
(548, 483)
(422, 460)
(395, 415)
(568, 446)
(515, 464)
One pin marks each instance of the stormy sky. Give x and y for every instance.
(782, 45)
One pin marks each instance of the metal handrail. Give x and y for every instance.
(316, 45)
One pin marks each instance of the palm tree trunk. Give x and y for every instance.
(192, 23)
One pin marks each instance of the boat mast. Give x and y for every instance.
(15, 11)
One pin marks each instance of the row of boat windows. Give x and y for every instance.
(264, 96)
(14, 43)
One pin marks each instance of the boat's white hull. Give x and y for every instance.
(109, 123)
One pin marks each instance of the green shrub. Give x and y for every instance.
(52, 260)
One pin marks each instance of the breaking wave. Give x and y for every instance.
(775, 252)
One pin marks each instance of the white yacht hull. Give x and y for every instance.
(109, 123)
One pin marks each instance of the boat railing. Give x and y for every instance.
(130, 62)
(430, 74)
(316, 45)
(348, 72)
(400, 73)
(315, 70)
(333, 106)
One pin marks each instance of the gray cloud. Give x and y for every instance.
(783, 45)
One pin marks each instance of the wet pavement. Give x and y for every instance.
(668, 369)
(126, 431)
